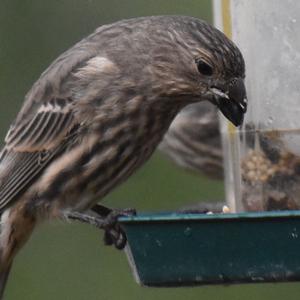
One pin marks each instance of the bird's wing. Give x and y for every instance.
(50, 118)
(45, 130)
(193, 140)
(30, 146)
(45, 125)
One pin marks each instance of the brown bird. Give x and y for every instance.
(193, 140)
(99, 111)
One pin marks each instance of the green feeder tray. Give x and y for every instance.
(196, 249)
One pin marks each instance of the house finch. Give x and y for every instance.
(99, 111)
(193, 140)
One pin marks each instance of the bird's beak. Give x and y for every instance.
(232, 100)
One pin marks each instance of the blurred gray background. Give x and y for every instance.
(69, 261)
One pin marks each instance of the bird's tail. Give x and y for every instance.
(16, 228)
(6, 255)
(4, 273)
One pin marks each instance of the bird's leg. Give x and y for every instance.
(106, 219)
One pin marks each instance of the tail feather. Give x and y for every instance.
(16, 227)
(3, 279)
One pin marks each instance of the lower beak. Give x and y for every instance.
(232, 112)
(233, 103)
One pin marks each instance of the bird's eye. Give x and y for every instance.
(204, 68)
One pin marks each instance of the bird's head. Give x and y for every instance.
(180, 59)
(221, 71)
(194, 61)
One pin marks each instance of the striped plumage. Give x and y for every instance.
(99, 111)
(193, 140)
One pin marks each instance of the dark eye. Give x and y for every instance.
(204, 68)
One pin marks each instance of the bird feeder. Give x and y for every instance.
(263, 157)
(262, 170)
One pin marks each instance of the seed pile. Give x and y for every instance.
(270, 174)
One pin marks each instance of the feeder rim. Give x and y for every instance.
(177, 216)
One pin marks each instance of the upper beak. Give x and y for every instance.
(231, 101)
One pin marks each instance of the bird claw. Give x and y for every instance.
(106, 219)
(113, 233)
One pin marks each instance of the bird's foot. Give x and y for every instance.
(106, 219)
(113, 233)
